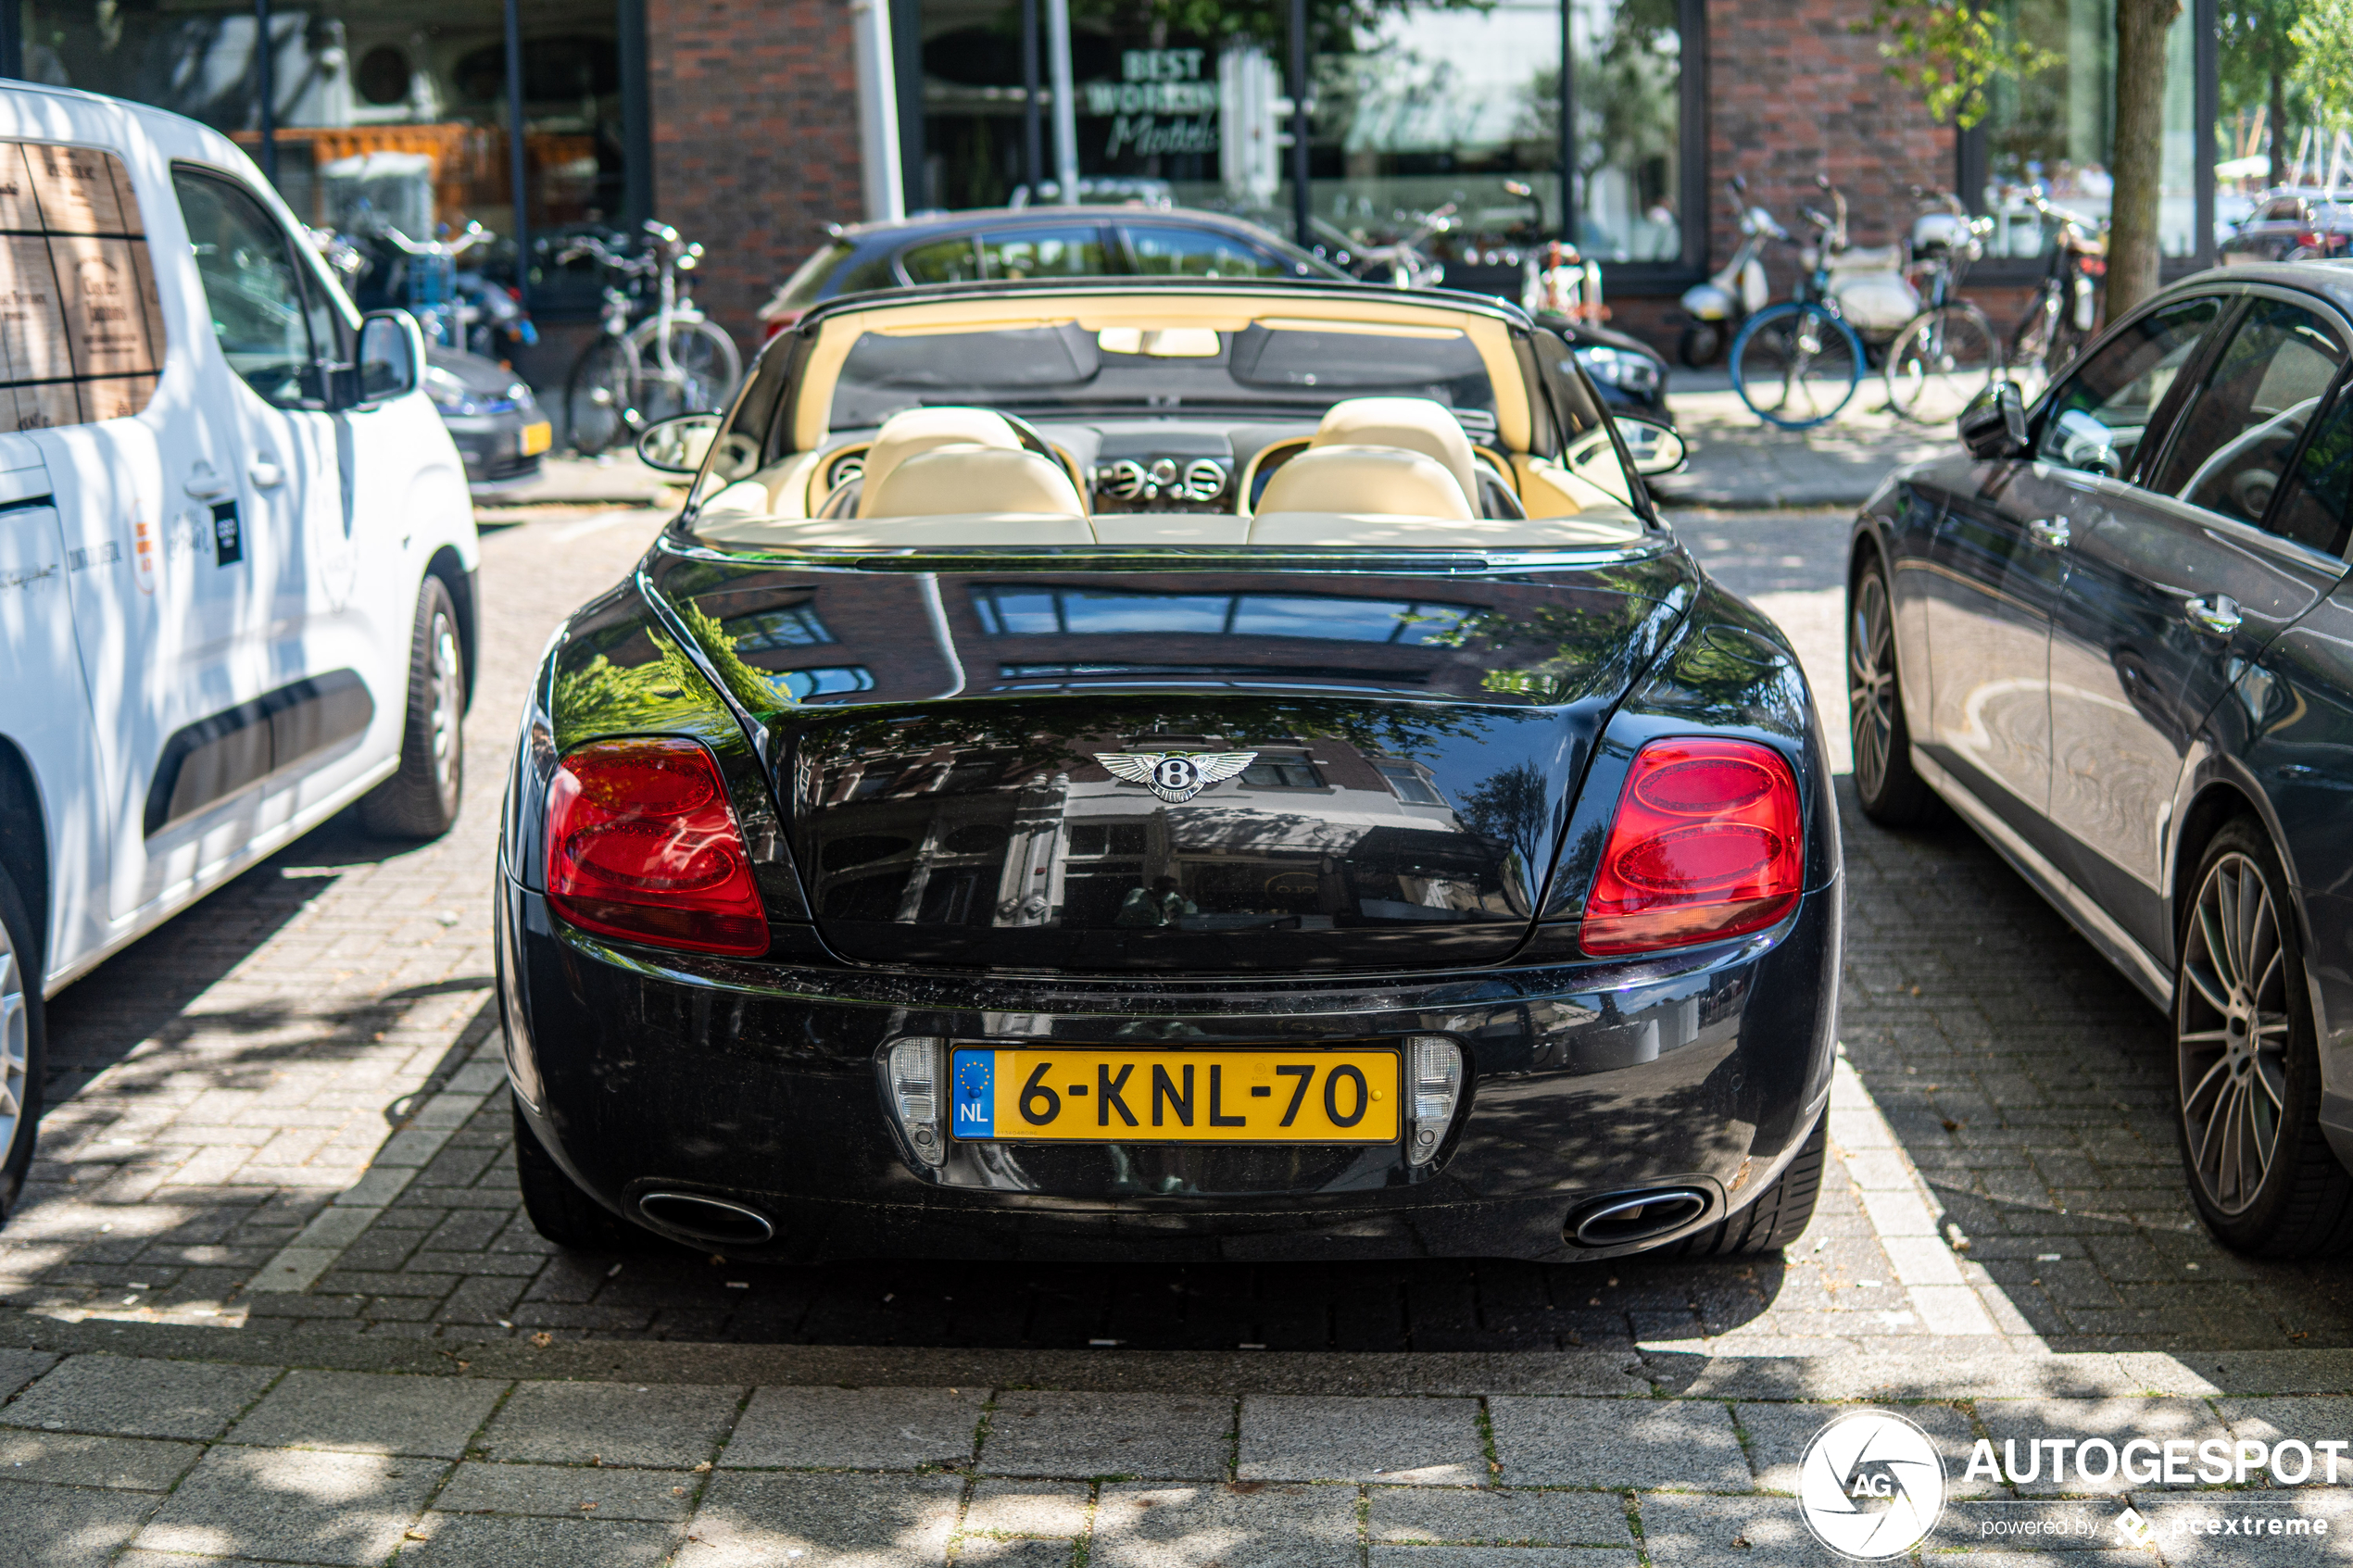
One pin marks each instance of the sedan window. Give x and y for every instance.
(2314, 510)
(2096, 419)
(2240, 430)
(1169, 252)
(942, 261)
(1071, 251)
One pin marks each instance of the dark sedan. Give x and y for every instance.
(501, 432)
(2292, 226)
(928, 852)
(2116, 638)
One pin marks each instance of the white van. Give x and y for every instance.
(236, 555)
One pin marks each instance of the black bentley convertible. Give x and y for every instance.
(1229, 771)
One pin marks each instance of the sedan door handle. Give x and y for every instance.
(266, 475)
(2216, 615)
(2049, 531)
(205, 486)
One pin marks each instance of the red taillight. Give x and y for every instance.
(782, 320)
(1708, 843)
(643, 845)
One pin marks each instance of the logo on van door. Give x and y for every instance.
(228, 535)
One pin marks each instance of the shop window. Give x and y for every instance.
(1410, 785)
(1282, 773)
(2054, 129)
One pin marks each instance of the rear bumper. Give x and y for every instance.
(758, 1083)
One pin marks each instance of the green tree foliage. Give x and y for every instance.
(2323, 37)
(1949, 52)
(2259, 61)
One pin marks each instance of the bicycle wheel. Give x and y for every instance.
(1796, 364)
(600, 398)
(1944, 356)
(701, 375)
(2030, 347)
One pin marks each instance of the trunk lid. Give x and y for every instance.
(1208, 771)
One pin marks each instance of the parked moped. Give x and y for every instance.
(1738, 291)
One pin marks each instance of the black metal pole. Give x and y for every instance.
(516, 163)
(1032, 112)
(11, 39)
(1299, 203)
(1569, 124)
(266, 88)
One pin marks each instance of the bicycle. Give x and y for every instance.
(2066, 305)
(674, 361)
(1947, 354)
(1797, 364)
(1403, 260)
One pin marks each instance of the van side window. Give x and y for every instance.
(253, 290)
(81, 329)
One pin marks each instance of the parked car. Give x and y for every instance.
(993, 822)
(500, 432)
(2292, 225)
(1035, 242)
(1626, 371)
(236, 554)
(2113, 636)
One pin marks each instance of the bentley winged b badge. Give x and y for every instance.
(1175, 778)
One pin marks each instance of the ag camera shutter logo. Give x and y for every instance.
(1870, 1486)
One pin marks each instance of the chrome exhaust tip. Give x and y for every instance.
(1624, 1219)
(708, 1219)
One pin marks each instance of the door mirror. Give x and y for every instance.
(391, 360)
(1993, 425)
(1655, 447)
(678, 444)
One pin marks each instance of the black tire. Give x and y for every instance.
(1699, 345)
(600, 398)
(560, 1210)
(24, 1041)
(420, 800)
(2247, 1064)
(1776, 1216)
(1890, 792)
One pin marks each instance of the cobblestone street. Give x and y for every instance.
(276, 1183)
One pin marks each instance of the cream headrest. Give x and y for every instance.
(1414, 424)
(972, 478)
(904, 435)
(1387, 480)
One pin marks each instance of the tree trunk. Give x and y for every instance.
(2139, 163)
(2279, 119)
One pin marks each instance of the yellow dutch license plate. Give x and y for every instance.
(1175, 1097)
(534, 438)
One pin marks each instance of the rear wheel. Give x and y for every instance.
(23, 1038)
(1778, 1215)
(2262, 1172)
(1890, 792)
(422, 800)
(558, 1209)
(1796, 364)
(1944, 358)
(600, 398)
(1700, 343)
(701, 373)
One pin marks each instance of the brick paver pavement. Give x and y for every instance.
(283, 1113)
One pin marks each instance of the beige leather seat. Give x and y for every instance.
(1388, 480)
(970, 477)
(1412, 424)
(917, 431)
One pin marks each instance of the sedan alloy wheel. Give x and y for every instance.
(2231, 1034)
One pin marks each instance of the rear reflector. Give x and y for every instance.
(643, 845)
(1708, 843)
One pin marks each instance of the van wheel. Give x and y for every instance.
(420, 800)
(23, 1044)
(2261, 1170)
(558, 1209)
(1776, 1216)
